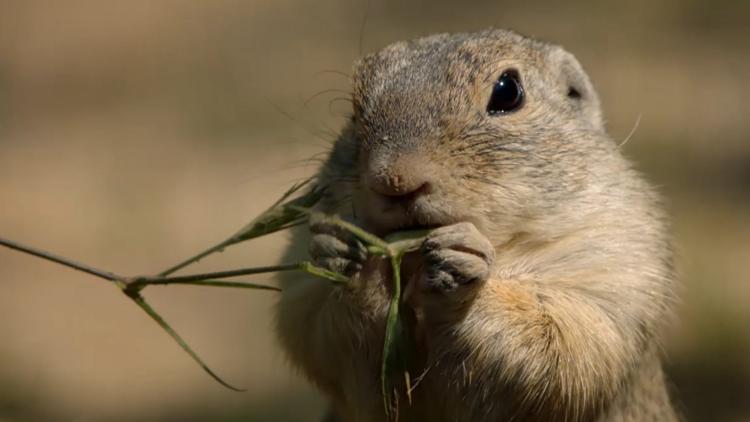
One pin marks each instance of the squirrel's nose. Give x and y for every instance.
(397, 188)
(401, 178)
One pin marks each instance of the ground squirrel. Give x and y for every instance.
(542, 287)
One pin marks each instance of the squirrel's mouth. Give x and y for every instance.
(383, 218)
(414, 227)
(385, 226)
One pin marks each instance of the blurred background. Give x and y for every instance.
(133, 134)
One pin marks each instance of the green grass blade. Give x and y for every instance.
(390, 344)
(218, 274)
(222, 283)
(335, 277)
(138, 299)
(406, 241)
(195, 258)
(363, 235)
(282, 215)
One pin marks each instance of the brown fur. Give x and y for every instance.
(541, 295)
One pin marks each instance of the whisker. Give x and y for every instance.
(334, 72)
(323, 92)
(338, 99)
(632, 131)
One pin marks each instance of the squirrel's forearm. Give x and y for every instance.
(557, 350)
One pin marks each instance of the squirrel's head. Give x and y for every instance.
(488, 127)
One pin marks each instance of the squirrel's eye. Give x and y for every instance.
(507, 94)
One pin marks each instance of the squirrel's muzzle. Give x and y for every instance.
(403, 177)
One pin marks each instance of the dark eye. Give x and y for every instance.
(507, 94)
(574, 93)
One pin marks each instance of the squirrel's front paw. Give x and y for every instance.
(455, 257)
(335, 249)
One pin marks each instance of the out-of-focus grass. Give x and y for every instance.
(132, 135)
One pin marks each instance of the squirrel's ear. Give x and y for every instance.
(576, 86)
